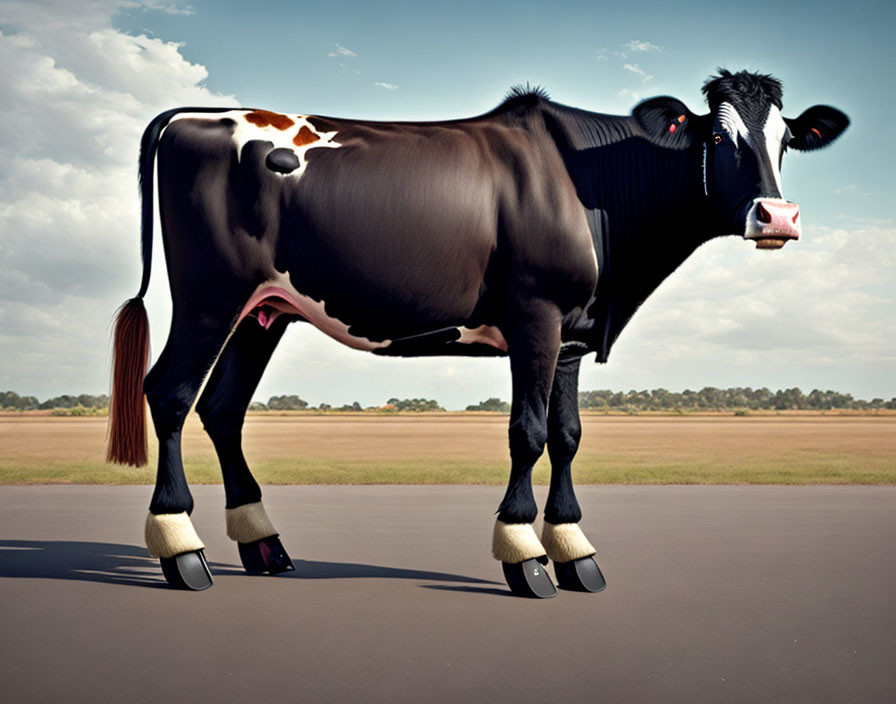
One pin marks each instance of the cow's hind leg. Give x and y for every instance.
(534, 343)
(171, 386)
(222, 408)
(562, 538)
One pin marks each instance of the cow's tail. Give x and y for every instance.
(127, 410)
(130, 347)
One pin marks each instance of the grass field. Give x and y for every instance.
(472, 449)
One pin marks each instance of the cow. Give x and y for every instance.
(533, 231)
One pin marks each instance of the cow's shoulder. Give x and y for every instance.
(544, 224)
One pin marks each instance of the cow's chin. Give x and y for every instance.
(770, 243)
(771, 238)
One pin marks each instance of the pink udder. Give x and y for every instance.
(267, 305)
(269, 302)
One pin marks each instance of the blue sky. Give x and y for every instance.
(78, 81)
(457, 59)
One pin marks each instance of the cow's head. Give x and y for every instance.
(744, 138)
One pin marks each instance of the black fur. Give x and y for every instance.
(526, 95)
(564, 435)
(743, 89)
(222, 406)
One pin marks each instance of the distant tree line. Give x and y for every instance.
(491, 404)
(414, 404)
(11, 401)
(707, 399)
(294, 403)
(286, 403)
(710, 398)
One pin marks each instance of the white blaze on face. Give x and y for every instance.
(774, 131)
(733, 123)
(773, 135)
(293, 132)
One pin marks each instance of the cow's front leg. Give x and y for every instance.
(534, 341)
(563, 540)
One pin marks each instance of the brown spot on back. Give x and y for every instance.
(305, 136)
(263, 118)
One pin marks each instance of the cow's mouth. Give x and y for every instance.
(772, 241)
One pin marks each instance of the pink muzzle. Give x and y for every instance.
(773, 223)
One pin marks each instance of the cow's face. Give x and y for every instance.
(744, 138)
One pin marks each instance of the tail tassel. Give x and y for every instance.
(127, 408)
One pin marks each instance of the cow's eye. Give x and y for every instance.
(717, 138)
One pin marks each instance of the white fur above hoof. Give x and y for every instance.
(248, 523)
(515, 542)
(170, 534)
(565, 541)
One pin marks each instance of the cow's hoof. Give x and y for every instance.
(189, 570)
(581, 575)
(265, 555)
(529, 579)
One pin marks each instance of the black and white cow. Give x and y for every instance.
(534, 231)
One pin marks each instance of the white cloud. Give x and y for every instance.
(387, 86)
(341, 51)
(76, 95)
(51, 16)
(634, 68)
(169, 8)
(637, 45)
(319, 369)
(732, 315)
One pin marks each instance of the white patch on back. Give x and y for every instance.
(774, 131)
(245, 131)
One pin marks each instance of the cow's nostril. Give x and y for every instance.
(796, 216)
(762, 215)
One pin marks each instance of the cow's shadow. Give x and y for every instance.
(132, 566)
(78, 560)
(317, 569)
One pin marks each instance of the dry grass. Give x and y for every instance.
(472, 449)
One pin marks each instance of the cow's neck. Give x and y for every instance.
(646, 206)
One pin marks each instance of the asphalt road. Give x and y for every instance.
(715, 594)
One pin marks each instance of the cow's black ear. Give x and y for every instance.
(817, 127)
(668, 123)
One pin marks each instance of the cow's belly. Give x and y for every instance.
(382, 238)
(278, 296)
